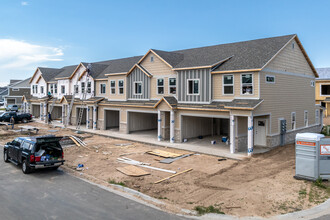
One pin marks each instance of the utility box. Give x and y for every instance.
(312, 156)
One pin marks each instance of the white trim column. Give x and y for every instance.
(87, 117)
(45, 112)
(232, 133)
(94, 117)
(172, 127)
(68, 119)
(41, 112)
(63, 114)
(159, 120)
(250, 135)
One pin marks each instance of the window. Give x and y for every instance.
(152, 59)
(76, 89)
(247, 84)
(15, 89)
(306, 118)
(317, 116)
(89, 87)
(63, 89)
(82, 87)
(102, 88)
(160, 86)
(193, 87)
(36, 88)
(325, 89)
(270, 79)
(27, 145)
(312, 83)
(55, 88)
(121, 86)
(41, 89)
(293, 120)
(292, 45)
(137, 88)
(113, 87)
(33, 89)
(51, 88)
(172, 85)
(228, 84)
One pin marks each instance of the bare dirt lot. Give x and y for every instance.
(259, 186)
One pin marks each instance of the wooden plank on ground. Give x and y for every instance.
(132, 171)
(163, 153)
(75, 141)
(159, 181)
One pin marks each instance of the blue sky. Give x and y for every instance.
(63, 32)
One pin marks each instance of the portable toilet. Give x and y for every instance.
(312, 156)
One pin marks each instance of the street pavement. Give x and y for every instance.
(47, 194)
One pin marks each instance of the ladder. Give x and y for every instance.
(82, 106)
(52, 106)
(71, 105)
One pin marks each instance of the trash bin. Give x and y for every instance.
(312, 156)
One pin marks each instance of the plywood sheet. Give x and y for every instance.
(163, 153)
(132, 171)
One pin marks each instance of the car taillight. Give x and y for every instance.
(62, 155)
(31, 158)
(37, 159)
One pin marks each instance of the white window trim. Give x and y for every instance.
(111, 87)
(119, 87)
(306, 124)
(55, 88)
(42, 89)
(270, 76)
(188, 86)
(241, 89)
(223, 85)
(295, 122)
(321, 89)
(90, 87)
(170, 86)
(141, 88)
(160, 86)
(105, 85)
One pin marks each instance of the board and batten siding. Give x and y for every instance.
(204, 76)
(138, 76)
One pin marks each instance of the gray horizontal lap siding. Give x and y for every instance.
(204, 76)
(135, 76)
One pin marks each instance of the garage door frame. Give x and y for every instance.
(105, 119)
(138, 111)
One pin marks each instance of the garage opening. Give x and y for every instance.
(111, 120)
(36, 111)
(11, 101)
(57, 113)
(204, 128)
(138, 122)
(83, 119)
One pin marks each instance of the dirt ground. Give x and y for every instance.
(262, 185)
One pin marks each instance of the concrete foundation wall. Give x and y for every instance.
(142, 121)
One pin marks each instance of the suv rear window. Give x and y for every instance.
(27, 146)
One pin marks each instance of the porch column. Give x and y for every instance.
(24, 107)
(63, 114)
(250, 135)
(68, 119)
(172, 138)
(45, 112)
(41, 112)
(159, 126)
(232, 134)
(87, 117)
(94, 116)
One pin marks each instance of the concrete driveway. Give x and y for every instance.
(56, 195)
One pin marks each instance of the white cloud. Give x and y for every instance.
(19, 57)
(24, 3)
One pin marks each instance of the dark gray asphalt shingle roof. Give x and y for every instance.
(21, 84)
(324, 73)
(49, 73)
(66, 71)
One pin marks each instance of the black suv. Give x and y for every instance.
(34, 152)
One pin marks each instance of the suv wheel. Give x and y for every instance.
(24, 120)
(5, 156)
(25, 167)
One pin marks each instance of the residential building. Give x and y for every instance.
(322, 89)
(16, 90)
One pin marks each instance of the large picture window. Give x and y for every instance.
(113, 87)
(228, 84)
(137, 88)
(121, 86)
(160, 86)
(172, 85)
(193, 87)
(247, 84)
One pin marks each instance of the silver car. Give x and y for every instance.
(12, 108)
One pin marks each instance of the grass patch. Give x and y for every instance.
(162, 197)
(320, 184)
(116, 183)
(201, 210)
(303, 193)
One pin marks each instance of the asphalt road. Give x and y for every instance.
(49, 194)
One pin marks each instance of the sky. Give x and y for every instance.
(57, 33)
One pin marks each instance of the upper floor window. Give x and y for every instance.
(113, 87)
(312, 83)
(51, 88)
(63, 89)
(306, 118)
(172, 85)
(193, 87)
(325, 89)
(55, 88)
(41, 89)
(270, 79)
(160, 86)
(35, 89)
(121, 86)
(82, 87)
(151, 58)
(247, 84)
(293, 120)
(228, 84)
(89, 87)
(102, 88)
(137, 88)
(76, 89)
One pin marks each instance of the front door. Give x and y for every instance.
(260, 132)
